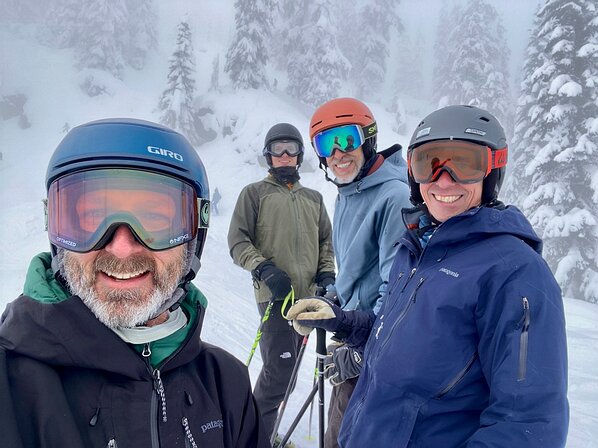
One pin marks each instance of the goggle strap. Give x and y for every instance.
(203, 208)
(499, 158)
(369, 130)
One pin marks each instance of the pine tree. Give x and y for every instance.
(317, 69)
(102, 36)
(377, 20)
(475, 62)
(247, 57)
(176, 102)
(555, 162)
(142, 32)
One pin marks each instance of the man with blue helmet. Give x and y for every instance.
(103, 348)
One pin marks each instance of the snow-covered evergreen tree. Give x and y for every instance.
(377, 20)
(63, 27)
(409, 72)
(317, 68)
(176, 102)
(554, 174)
(247, 56)
(215, 78)
(474, 61)
(103, 34)
(106, 34)
(289, 16)
(142, 32)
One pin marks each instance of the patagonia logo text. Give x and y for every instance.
(449, 272)
(212, 425)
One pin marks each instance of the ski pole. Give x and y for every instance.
(309, 399)
(258, 336)
(290, 387)
(321, 355)
(311, 408)
(319, 387)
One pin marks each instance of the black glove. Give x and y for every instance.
(324, 279)
(342, 363)
(276, 279)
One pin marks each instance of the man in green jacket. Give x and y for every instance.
(103, 347)
(281, 233)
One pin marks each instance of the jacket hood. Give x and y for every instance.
(393, 167)
(57, 328)
(481, 222)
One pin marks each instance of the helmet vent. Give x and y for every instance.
(344, 116)
(487, 120)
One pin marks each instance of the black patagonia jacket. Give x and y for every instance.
(66, 380)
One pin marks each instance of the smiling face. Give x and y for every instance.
(124, 284)
(446, 198)
(346, 165)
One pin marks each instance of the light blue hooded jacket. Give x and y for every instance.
(367, 225)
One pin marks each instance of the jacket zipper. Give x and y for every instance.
(111, 444)
(523, 340)
(402, 315)
(189, 440)
(147, 352)
(458, 377)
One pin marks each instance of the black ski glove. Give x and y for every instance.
(342, 363)
(276, 279)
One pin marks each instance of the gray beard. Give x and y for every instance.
(121, 308)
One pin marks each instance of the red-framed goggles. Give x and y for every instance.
(345, 138)
(466, 162)
(85, 208)
(279, 147)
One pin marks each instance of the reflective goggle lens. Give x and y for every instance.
(344, 138)
(279, 147)
(84, 208)
(466, 162)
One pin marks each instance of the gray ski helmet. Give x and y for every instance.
(136, 144)
(283, 131)
(468, 123)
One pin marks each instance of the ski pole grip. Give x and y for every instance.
(321, 341)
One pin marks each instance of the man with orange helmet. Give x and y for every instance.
(373, 188)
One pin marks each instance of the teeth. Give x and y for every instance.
(124, 276)
(343, 165)
(447, 199)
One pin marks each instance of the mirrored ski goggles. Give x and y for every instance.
(279, 147)
(84, 209)
(345, 138)
(466, 162)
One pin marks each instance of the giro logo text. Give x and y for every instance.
(165, 152)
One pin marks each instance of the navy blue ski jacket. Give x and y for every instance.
(469, 348)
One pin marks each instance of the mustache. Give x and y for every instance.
(135, 263)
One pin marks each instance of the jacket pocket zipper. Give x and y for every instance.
(524, 340)
(458, 377)
(189, 440)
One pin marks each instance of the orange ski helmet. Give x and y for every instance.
(341, 111)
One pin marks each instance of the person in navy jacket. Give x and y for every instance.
(469, 347)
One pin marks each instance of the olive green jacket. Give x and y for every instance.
(286, 225)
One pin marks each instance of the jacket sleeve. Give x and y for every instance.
(326, 256)
(252, 431)
(241, 233)
(391, 228)
(523, 354)
(8, 420)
